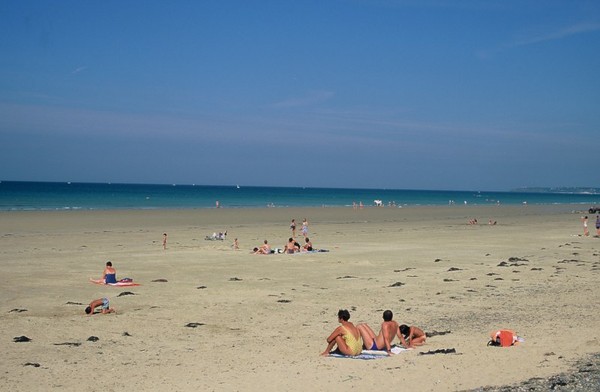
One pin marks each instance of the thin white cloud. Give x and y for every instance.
(78, 70)
(579, 28)
(312, 98)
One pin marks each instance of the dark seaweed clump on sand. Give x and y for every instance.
(584, 376)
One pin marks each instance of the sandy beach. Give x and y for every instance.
(207, 317)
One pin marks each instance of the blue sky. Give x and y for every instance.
(432, 94)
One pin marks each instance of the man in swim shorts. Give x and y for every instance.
(100, 302)
(383, 341)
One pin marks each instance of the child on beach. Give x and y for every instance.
(585, 226)
(411, 336)
(103, 302)
(293, 228)
(304, 227)
(383, 341)
(164, 241)
(235, 244)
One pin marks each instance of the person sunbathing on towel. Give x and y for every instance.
(308, 246)
(103, 302)
(346, 336)
(110, 274)
(411, 336)
(265, 249)
(383, 341)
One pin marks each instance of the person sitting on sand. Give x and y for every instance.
(308, 246)
(411, 336)
(265, 249)
(103, 302)
(346, 336)
(110, 274)
(290, 247)
(383, 341)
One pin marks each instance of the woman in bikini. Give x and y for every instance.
(346, 336)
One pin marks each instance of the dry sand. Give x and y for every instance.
(264, 319)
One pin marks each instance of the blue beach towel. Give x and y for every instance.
(369, 354)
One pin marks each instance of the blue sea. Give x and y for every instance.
(24, 196)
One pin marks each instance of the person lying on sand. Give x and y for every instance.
(383, 341)
(346, 336)
(103, 302)
(265, 249)
(411, 336)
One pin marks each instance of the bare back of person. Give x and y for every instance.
(389, 330)
(383, 341)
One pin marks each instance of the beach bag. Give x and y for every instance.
(504, 338)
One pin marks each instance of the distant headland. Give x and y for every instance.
(564, 189)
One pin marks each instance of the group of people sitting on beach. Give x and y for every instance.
(291, 247)
(220, 236)
(475, 222)
(351, 339)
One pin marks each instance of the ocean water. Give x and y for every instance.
(15, 195)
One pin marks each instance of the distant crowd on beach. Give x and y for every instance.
(474, 221)
(290, 247)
